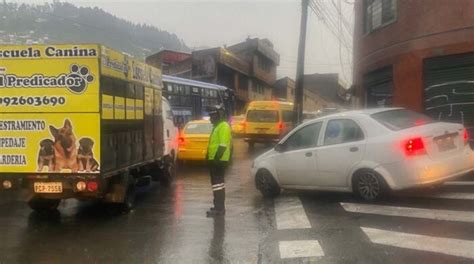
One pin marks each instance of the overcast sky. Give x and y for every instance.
(226, 22)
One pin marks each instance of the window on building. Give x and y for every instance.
(264, 63)
(258, 88)
(378, 13)
(261, 89)
(379, 87)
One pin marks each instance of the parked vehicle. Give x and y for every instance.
(194, 140)
(238, 125)
(170, 137)
(82, 121)
(267, 121)
(368, 152)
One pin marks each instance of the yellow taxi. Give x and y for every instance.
(267, 121)
(194, 139)
(237, 123)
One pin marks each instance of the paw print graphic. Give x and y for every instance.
(80, 76)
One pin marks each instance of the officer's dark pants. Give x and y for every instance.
(217, 171)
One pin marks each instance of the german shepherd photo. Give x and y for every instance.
(46, 158)
(85, 156)
(65, 148)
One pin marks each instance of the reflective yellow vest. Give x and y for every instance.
(221, 136)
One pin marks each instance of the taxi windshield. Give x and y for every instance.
(198, 129)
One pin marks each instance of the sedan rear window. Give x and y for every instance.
(401, 119)
(262, 116)
(198, 129)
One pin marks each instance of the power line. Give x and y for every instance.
(337, 25)
(329, 22)
(329, 19)
(340, 51)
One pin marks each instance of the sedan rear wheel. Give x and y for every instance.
(266, 184)
(369, 185)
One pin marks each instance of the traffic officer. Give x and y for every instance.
(218, 156)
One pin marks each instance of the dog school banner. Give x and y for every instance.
(50, 143)
(49, 78)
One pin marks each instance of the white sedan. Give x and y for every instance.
(368, 152)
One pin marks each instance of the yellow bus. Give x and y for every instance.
(267, 121)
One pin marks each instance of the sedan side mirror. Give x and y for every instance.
(280, 148)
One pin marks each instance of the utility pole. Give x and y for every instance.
(298, 104)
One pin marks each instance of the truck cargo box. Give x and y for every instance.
(76, 110)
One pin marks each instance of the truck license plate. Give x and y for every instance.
(48, 187)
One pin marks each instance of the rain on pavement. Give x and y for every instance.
(168, 225)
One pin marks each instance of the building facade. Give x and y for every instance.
(324, 91)
(247, 68)
(284, 89)
(171, 61)
(319, 91)
(416, 54)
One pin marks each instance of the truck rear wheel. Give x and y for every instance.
(169, 171)
(121, 196)
(41, 204)
(129, 200)
(125, 206)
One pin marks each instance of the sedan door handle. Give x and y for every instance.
(354, 149)
(308, 154)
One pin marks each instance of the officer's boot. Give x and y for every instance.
(219, 204)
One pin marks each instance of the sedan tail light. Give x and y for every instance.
(465, 136)
(415, 146)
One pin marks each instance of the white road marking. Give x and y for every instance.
(460, 183)
(445, 215)
(300, 249)
(290, 214)
(448, 246)
(460, 196)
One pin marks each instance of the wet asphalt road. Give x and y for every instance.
(168, 225)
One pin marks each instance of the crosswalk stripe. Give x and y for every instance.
(448, 246)
(445, 215)
(290, 214)
(300, 249)
(460, 183)
(460, 196)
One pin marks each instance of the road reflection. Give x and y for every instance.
(216, 247)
